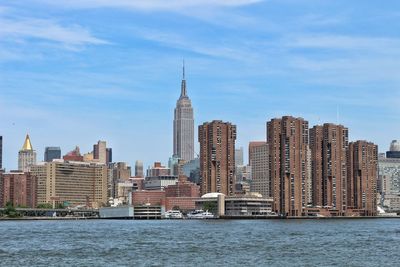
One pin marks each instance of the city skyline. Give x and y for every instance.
(81, 81)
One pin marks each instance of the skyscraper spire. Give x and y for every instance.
(183, 70)
(27, 144)
(183, 86)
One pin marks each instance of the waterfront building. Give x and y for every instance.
(394, 151)
(74, 155)
(182, 188)
(259, 163)
(183, 125)
(217, 157)
(139, 169)
(148, 197)
(51, 153)
(18, 188)
(181, 195)
(362, 177)
(287, 138)
(71, 183)
(329, 146)
(236, 206)
(1, 152)
(389, 183)
(26, 156)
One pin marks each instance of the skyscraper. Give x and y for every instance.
(100, 151)
(329, 146)
(51, 153)
(217, 157)
(239, 157)
(259, 163)
(362, 179)
(184, 125)
(287, 138)
(26, 156)
(1, 152)
(139, 169)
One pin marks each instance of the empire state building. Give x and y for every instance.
(184, 125)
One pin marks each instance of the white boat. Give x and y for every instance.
(173, 214)
(200, 214)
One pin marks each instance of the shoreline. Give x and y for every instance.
(221, 218)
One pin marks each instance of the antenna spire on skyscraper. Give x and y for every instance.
(183, 86)
(183, 70)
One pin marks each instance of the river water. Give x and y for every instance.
(369, 242)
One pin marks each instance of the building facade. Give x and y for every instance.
(362, 177)
(71, 183)
(18, 189)
(259, 163)
(26, 156)
(329, 146)
(51, 153)
(184, 125)
(394, 151)
(217, 157)
(139, 169)
(287, 138)
(1, 152)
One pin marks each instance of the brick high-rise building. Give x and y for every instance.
(18, 188)
(184, 125)
(1, 152)
(362, 176)
(287, 138)
(259, 163)
(217, 157)
(26, 156)
(329, 146)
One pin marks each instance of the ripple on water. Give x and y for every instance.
(200, 243)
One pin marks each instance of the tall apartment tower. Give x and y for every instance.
(102, 153)
(329, 146)
(217, 157)
(51, 153)
(259, 163)
(184, 125)
(26, 156)
(139, 169)
(287, 138)
(1, 152)
(362, 179)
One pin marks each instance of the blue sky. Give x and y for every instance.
(73, 72)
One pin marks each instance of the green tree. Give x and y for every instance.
(44, 206)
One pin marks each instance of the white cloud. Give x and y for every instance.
(70, 36)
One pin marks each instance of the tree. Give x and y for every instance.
(44, 206)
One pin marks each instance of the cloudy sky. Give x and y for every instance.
(73, 72)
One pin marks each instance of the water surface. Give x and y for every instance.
(369, 242)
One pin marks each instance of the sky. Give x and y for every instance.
(78, 71)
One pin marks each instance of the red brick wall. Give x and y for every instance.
(149, 196)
